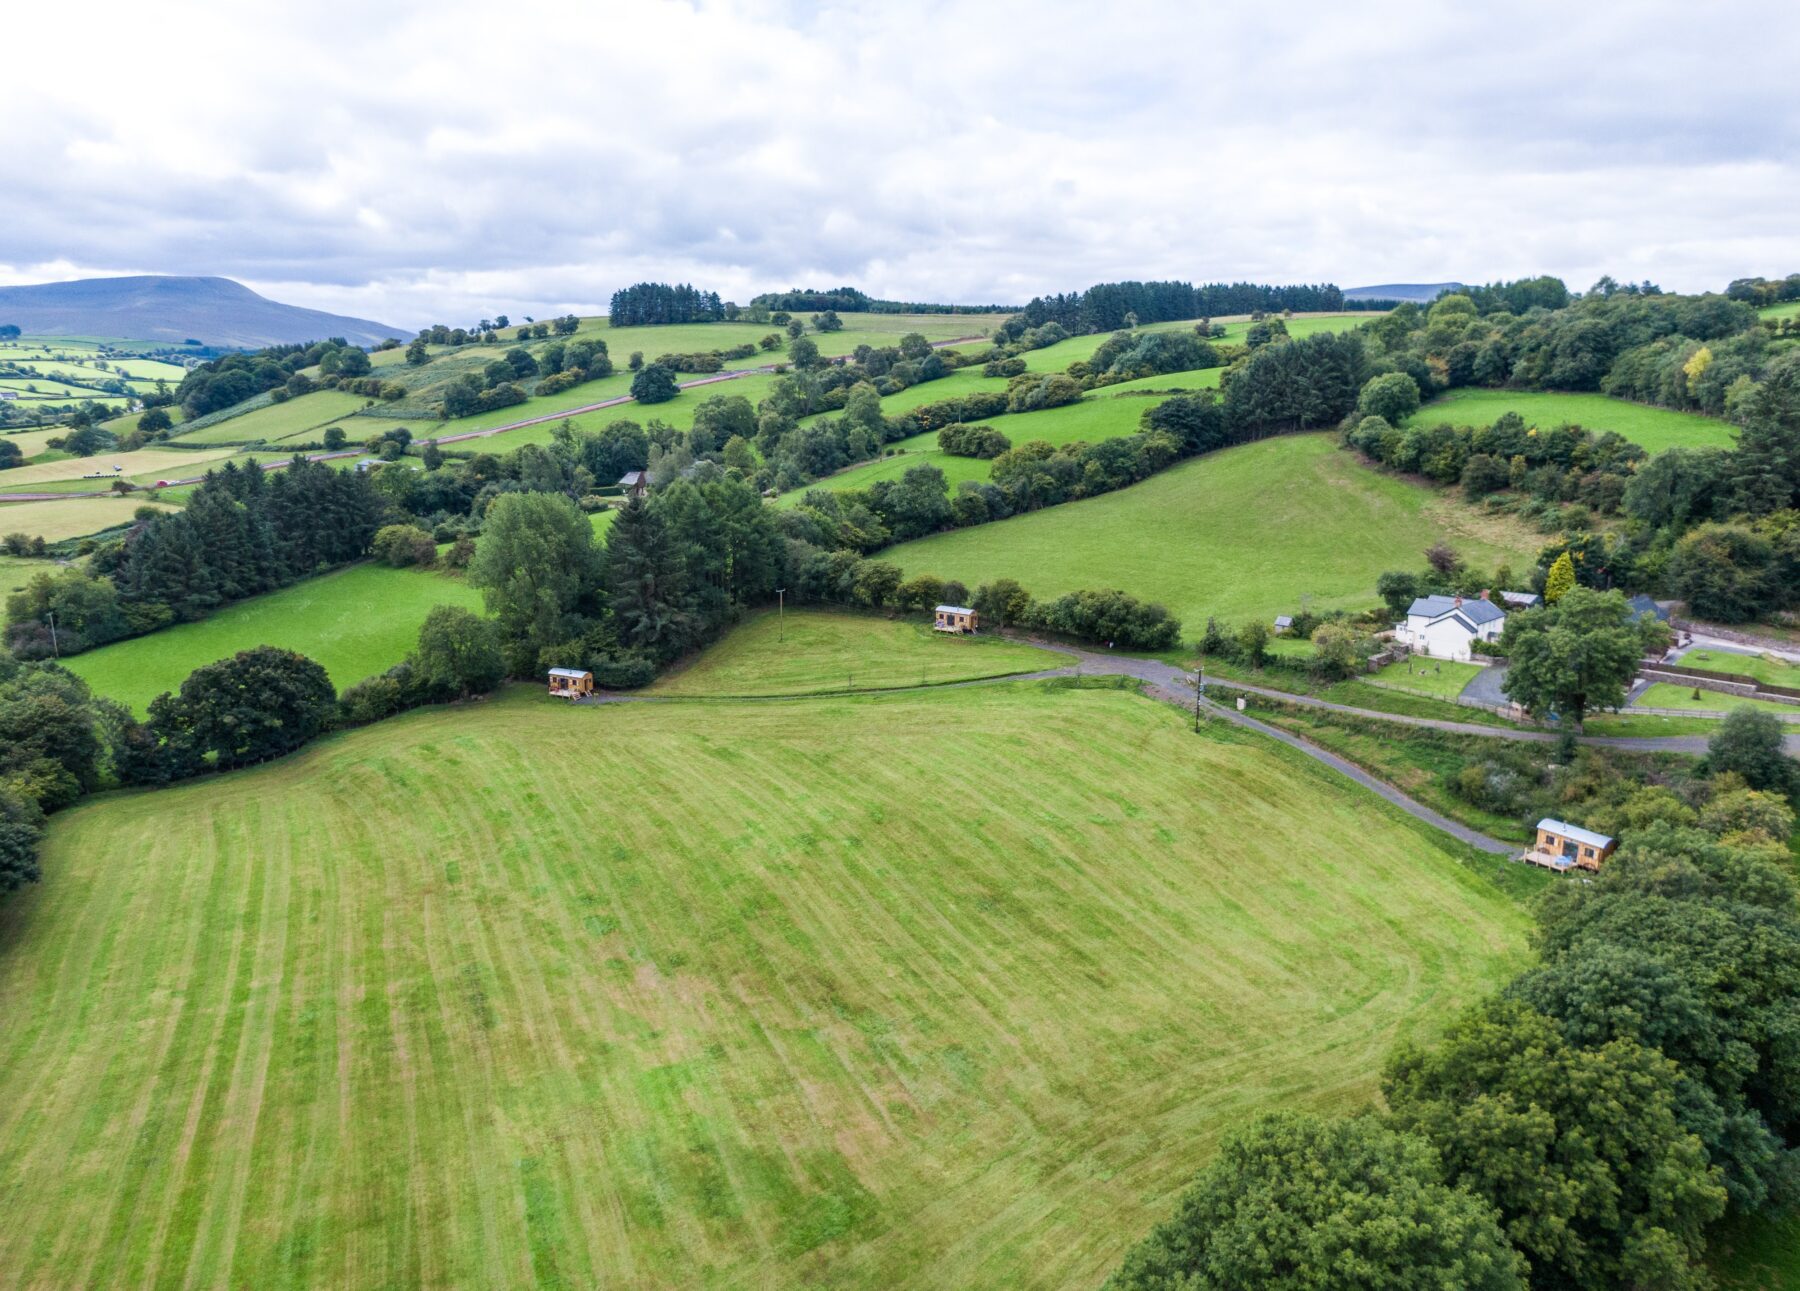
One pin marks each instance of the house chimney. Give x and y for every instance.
(1484, 593)
(1459, 602)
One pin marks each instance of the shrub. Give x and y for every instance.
(401, 545)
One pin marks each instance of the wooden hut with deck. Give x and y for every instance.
(1562, 847)
(571, 683)
(959, 619)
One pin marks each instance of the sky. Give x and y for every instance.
(445, 162)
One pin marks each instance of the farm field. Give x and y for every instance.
(1664, 694)
(143, 461)
(1104, 414)
(1248, 531)
(281, 420)
(944, 989)
(355, 622)
(1652, 428)
(44, 388)
(16, 571)
(807, 651)
(53, 521)
(1786, 309)
(677, 412)
(127, 423)
(31, 443)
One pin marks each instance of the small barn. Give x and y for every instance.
(1562, 847)
(959, 619)
(1520, 600)
(571, 683)
(635, 483)
(1284, 624)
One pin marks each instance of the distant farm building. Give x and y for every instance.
(1447, 627)
(1284, 623)
(1520, 600)
(1643, 607)
(956, 618)
(9, 394)
(1562, 847)
(635, 483)
(571, 683)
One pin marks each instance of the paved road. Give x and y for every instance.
(715, 378)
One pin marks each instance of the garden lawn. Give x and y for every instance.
(1248, 531)
(1653, 428)
(356, 622)
(950, 989)
(1440, 678)
(1664, 694)
(809, 651)
(1766, 668)
(54, 521)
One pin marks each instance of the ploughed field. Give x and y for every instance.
(1250, 530)
(950, 988)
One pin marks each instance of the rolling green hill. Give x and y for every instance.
(1251, 531)
(943, 989)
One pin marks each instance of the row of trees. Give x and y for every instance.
(1109, 306)
(243, 532)
(646, 304)
(852, 301)
(233, 378)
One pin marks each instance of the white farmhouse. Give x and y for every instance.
(1444, 627)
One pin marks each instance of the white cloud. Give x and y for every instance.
(466, 159)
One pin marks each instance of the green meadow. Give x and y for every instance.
(1653, 428)
(1664, 694)
(356, 622)
(942, 989)
(808, 651)
(303, 418)
(75, 517)
(1256, 530)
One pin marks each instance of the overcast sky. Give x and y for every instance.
(485, 158)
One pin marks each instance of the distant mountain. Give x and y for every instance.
(1423, 292)
(214, 311)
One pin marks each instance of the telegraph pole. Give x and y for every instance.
(55, 650)
(1199, 690)
(780, 614)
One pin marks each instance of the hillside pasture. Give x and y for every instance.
(1652, 428)
(808, 651)
(935, 990)
(63, 518)
(1252, 531)
(303, 417)
(1106, 413)
(1786, 309)
(125, 424)
(355, 622)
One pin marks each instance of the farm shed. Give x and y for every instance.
(571, 683)
(635, 483)
(1284, 623)
(959, 619)
(1561, 846)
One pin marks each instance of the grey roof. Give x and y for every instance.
(634, 477)
(1642, 605)
(1284, 620)
(1522, 598)
(1474, 609)
(954, 609)
(1575, 832)
(576, 673)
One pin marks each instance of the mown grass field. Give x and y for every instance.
(807, 651)
(355, 622)
(143, 461)
(63, 518)
(1251, 531)
(124, 425)
(932, 990)
(1653, 428)
(1444, 678)
(1787, 309)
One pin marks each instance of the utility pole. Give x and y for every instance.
(780, 614)
(55, 650)
(1199, 690)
